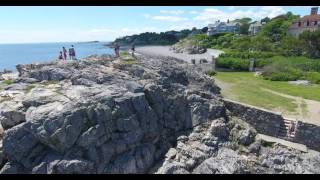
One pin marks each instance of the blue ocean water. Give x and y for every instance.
(13, 54)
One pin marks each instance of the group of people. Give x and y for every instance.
(64, 52)
(117, 50)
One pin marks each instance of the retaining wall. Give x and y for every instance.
(269, 122)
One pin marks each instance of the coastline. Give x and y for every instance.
(165, 52)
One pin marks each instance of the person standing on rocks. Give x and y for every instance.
(116, 50)
(64, 53)
(133, 49)
(72, 53)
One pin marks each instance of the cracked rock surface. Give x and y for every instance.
(156, 115)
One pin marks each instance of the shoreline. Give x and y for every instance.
(166, 52)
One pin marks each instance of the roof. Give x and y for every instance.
(257, 23)
(224, 23)
(315, 17)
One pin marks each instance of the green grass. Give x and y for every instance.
(30, 87)
(247, 79)
(247, 88)
(8, 81)
(124, 53)
(50, 82)
(129, 61)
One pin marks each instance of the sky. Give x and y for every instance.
(27, 24)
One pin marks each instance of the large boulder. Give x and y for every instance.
(11, 114)
(226, 161)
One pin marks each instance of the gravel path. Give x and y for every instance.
(164, 51)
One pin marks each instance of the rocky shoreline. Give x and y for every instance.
(152, 115)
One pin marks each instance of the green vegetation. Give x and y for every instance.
(129, 61)
(163, 38)
(30, 87)
(246, 88)
(8, 81)
(292, 68)
(50, 82)
(212, 73)
(124, 53)
(3, 99)
(310, 41)
(267, 144)
(233, 63)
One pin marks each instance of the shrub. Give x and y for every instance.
(212, 73)
(278, 72)
(233, 63)
(313, 77)
(8, 81)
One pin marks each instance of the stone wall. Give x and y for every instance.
(265, 122)
(268, 122)
(308, 134)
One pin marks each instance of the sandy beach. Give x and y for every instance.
(164, 51)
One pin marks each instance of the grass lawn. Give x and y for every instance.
(245, 87)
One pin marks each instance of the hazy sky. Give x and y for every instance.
(80, 23)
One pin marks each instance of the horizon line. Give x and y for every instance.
(48, 42)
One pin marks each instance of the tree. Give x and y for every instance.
(291, 46)
(245, 23)
(266, 20)
(277, 28)
(204, 30)
(311, 43)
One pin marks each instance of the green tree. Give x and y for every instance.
(311, 43)
(291, 46)
(245, 23)
(277, 28)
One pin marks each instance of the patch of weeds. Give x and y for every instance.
(8, 81)
(212, 73)
(30, 87)
(267, 144)
(3, 99)
(124, 53)
(50, 82)
(129, 61)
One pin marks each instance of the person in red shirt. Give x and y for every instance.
(64, 53)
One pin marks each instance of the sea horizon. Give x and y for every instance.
(26, 53)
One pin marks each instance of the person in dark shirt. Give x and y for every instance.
(133, 49)
(72, 53)
(116, 49)
(60, 56)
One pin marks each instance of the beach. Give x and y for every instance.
(165, 51)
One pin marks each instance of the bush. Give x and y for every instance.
(313, 77)
(247, 55)
(8, 81)
(212, 73)
(233, 63)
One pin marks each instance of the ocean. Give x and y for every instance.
(13, 54)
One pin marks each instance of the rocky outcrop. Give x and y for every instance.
(155, 115)
(189, 46)
(95, 116)
(205, 152)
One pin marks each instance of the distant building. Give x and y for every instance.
(221, 27)
(310, 22)
(255, 27)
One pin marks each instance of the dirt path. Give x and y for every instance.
(308, 110)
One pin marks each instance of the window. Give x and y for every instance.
(299, 24)
(316, 22)
(308, 23)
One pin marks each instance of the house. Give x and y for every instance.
(221, 27)
(310, 22)
(255, 27)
